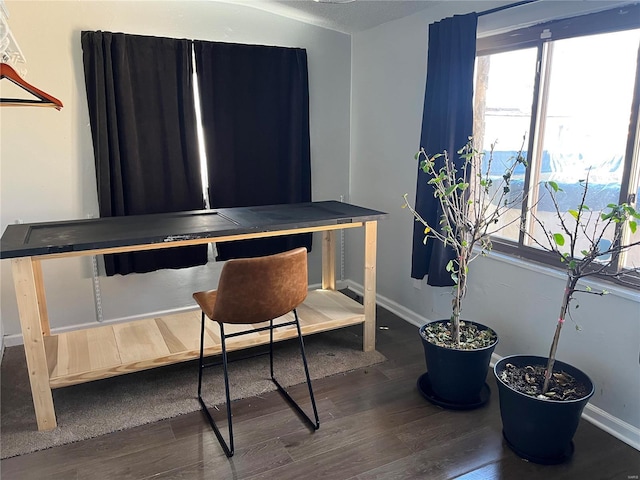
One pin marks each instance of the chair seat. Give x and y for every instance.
(206, 301)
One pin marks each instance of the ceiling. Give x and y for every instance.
(347, 17)
(353, 16)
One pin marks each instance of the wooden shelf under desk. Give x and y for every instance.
(106, 351)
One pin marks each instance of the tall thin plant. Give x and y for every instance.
(472, 201)
(577, 227)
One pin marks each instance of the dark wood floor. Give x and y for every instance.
(374, 425)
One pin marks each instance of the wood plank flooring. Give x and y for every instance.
(374, 425)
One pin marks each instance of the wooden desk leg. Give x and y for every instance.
(329, 260)
(42, 299)
(25, 278)
(369, 300)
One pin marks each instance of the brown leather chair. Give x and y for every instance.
(250, 291)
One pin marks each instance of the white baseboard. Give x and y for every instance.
(620, 429)
(394, 307)
(613, 425)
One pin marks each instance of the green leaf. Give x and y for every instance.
(450, 189)
(585, 252)
(558, 238)
(633, 226)
(449, 266)
(553, 185)
(574, 214)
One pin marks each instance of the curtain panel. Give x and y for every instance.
(447, 123)
(143, 126)
(255, 115)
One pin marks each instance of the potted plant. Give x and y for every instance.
(541, 398)
(473, 201)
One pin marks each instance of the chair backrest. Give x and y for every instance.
(253, 290)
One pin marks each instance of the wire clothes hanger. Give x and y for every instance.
(44, 99)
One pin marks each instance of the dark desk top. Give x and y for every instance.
(31, 239)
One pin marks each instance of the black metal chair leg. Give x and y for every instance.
(314, 424)
(306, 371)
(228, 448)
(271, 347)
(201, 362)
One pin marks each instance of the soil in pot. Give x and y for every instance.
(529, 379)
(472, 336)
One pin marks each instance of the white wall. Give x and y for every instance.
(522, 304)
(47, 170)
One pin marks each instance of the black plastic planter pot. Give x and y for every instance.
(540, 431)
(455, 379)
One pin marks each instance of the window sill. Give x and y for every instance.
(628, 293)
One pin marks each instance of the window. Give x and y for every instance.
(566, 92)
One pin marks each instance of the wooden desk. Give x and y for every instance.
(107, 350)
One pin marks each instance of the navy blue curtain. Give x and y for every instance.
(255, 115)
(447, 122)
(143, 126)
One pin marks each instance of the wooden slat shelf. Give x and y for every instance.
(106, 351)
